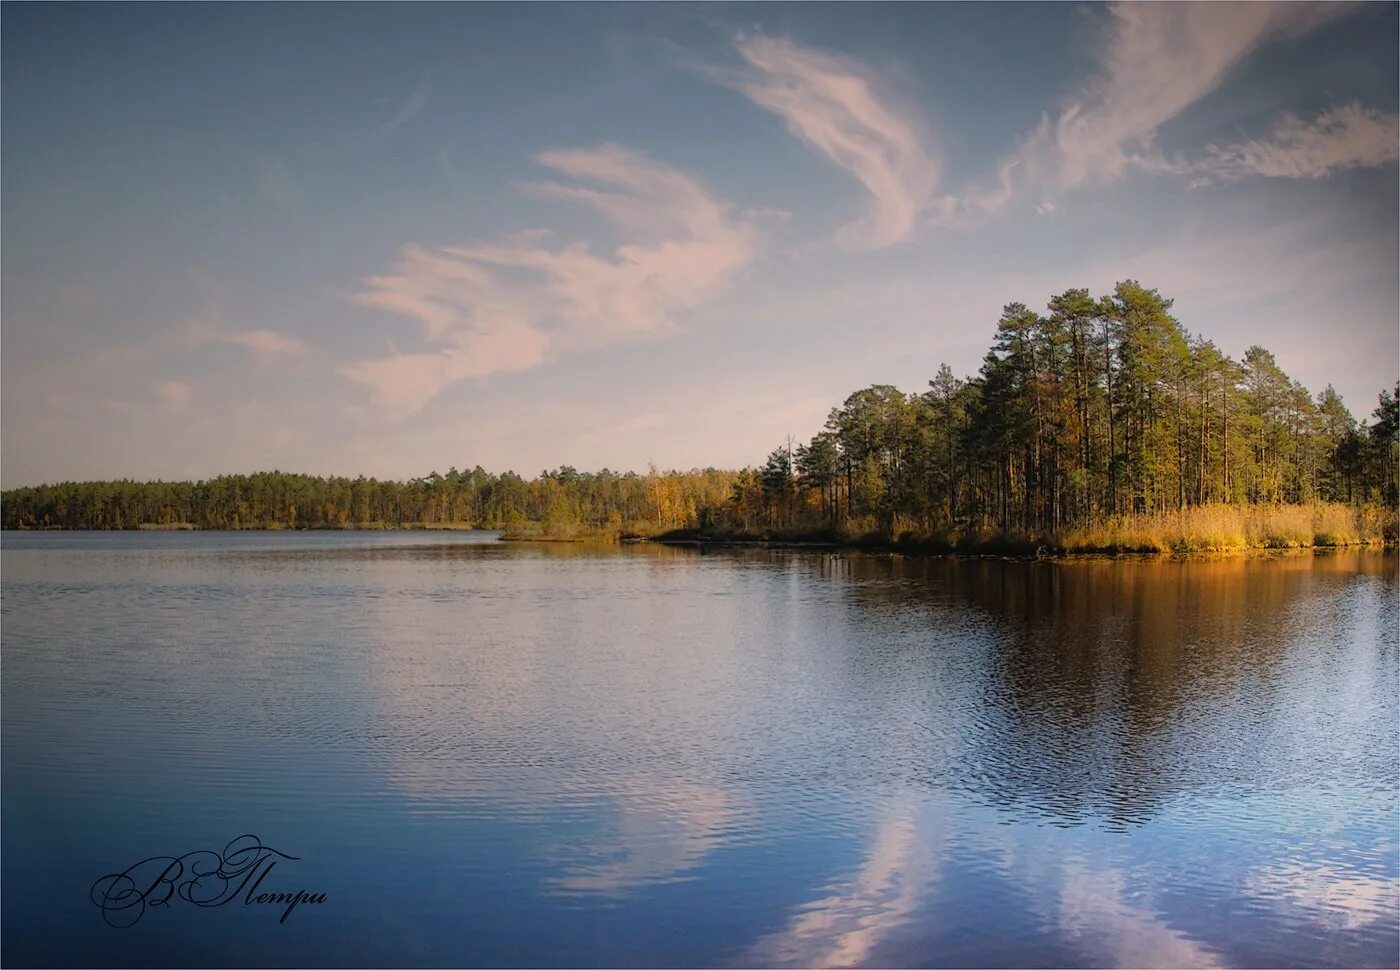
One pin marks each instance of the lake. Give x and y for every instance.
(488, 753)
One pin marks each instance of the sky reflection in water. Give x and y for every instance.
(502, 754)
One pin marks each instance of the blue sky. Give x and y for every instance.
(391, 239)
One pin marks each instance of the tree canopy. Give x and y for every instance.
(1093, 408)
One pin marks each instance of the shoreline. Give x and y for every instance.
(999, 547)
(993, 548)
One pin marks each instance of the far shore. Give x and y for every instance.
(1001, 546)
(1213, 531)
(998, 546)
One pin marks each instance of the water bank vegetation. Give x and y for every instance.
(1233, 528)
(1097, 424)
(564, 503)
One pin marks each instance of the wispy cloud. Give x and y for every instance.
(1342, 899)
(492, 308)
(844, 928)
(1340, 138)
(831, 103)
(411, 108)
(663, 830)
(1158, 60)
(262, 341)
(175, 395)
(1096, 904)
(207, 327)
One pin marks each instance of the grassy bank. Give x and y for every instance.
(1204, 529)
(275, 526)
(1230, 528)
(1215, 529)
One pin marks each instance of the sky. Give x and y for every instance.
(393, 239)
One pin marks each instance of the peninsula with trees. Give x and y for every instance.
(1098, 424)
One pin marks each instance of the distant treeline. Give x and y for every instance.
(1095, 409)
(560, 501)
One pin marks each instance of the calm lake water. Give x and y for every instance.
(539, 755)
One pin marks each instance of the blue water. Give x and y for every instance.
(489, 753)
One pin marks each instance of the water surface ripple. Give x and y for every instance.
(489, 753)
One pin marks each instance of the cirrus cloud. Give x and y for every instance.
(1159, 59)
(508, 306)
(207, 327)
(1340, 138)
(262, 341)
(831, 103)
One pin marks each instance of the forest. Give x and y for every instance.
(1088, 417)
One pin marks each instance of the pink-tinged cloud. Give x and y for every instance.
(262, 341)
(405, 382)
(1340, 138)
(175, 395)
(830, 102)
(207, 327)
(510, 306)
